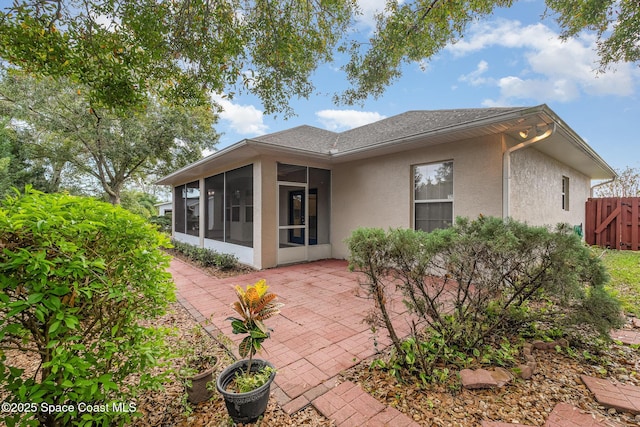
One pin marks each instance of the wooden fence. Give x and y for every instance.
(612, 222)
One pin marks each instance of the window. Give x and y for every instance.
(214, 224)
(433, 196)
(565, 193)
(187, 217)
(229, 207)
(239, 198)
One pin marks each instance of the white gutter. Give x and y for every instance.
(593, 187)
(506, 165)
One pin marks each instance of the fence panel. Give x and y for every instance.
(613, 222)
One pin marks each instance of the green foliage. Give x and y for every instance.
(139, 203)
(481, 280)
(624, 269)
(427, 357)
(162, 222)
(503, 354)
(369, 248)
(185, 50)
(88, 144)
(206, 257)
(408, 32)
(414, 31)
(76, 278)
(18, 167)
(247, 383)
(616, 24)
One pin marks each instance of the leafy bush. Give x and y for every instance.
(162, 222)
(484, 279)
(206, 257)
(76, 278)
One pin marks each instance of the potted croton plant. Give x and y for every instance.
(245, 385)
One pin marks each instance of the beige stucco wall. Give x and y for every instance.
(535, 194)
(266, 252)
(378, 192)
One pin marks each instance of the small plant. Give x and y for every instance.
(255, 304)
(246, 383)
(206, 257)
(502, 355)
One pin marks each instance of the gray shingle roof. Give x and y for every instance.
(405, 130)
(413, 123)
(390, 129)
(301, 137)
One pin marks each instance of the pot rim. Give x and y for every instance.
(207, 371)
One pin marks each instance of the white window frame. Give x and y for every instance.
(565, 193)
(450, 199)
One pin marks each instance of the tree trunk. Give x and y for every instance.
(114, 198)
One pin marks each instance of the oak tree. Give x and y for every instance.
(93, 142)
(186, 49)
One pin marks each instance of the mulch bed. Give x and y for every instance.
(556, 380)
(169, 408)
(520, 402)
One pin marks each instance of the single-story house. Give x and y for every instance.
(164, 208)
(296, 195)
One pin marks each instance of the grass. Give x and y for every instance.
(624, 269)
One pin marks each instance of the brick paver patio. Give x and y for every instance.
(626, 336)
(625, 398)
(319, 333)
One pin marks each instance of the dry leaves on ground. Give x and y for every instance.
(530, 402)
(521, 402)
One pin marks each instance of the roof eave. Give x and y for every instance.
(605, 170)
(254, 148)
(398, 144)
(173, 177)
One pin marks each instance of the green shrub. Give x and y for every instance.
(206, 257)
(480, 280)
(162, 222)
(77, 277)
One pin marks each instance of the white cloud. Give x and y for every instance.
(369, 9)
(540, 90)
(108, 23)
(555, 71)
(475, 78)
(243, 119)
(338, 120)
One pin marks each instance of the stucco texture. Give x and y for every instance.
(535, 194)
(378, 192)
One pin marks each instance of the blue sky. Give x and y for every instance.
(512, 58)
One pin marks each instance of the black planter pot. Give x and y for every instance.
(245, 407)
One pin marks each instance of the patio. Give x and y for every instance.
(319, 333)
